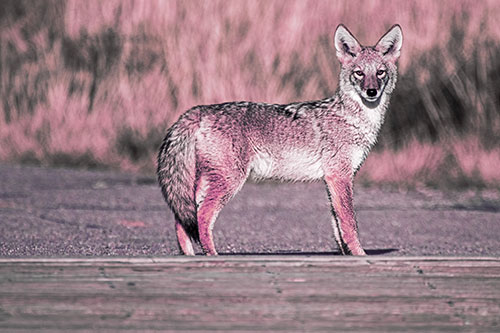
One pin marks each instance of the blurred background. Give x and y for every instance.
(95, 84)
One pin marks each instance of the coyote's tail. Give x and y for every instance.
(177, 172)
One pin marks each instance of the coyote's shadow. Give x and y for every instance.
(300, 253)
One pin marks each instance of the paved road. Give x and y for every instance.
(60, 212)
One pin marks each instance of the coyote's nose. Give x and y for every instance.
(371, 92)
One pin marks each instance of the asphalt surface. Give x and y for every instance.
(62, 212)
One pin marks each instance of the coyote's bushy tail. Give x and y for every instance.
(177, 172)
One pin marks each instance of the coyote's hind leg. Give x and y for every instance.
(185, 243)
(215, 191)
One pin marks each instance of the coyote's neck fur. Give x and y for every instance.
(368, 119)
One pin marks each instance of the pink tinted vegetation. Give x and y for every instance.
(104, 79)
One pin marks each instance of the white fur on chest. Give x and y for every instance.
(358, 155)
(294, 164)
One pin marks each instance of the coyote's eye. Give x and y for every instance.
(380, 73)
(359, 74)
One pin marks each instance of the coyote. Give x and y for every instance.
(208, 154)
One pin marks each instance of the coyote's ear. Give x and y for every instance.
(346, 44)
(390, 43)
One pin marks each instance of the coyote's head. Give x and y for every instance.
(368, 71)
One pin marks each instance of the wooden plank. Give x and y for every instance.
(260, 293)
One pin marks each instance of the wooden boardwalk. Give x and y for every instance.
(256, 293)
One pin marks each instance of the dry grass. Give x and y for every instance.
(459, 163)
(96, 83)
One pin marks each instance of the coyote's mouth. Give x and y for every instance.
(371, 102)
(371, 99)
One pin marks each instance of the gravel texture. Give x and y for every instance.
(62, 212)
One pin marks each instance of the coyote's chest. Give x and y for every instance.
(292, 164)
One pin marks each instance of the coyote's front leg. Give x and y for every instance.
(340, 192)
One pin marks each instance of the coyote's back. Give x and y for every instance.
(208, 154)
